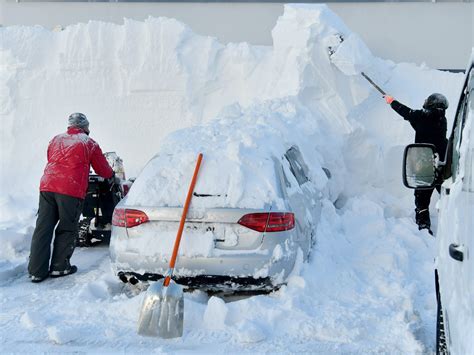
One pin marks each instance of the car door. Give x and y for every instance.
(455, 232)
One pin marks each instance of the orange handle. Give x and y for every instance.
(183, 220)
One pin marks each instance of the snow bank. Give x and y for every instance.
(146, 79)
(318, 91)
(14, 252)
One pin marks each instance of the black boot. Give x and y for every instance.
(422, 218)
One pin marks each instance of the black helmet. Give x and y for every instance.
(436, 101)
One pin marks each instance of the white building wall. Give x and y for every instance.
(438, 34)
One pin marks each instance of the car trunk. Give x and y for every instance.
(221, 223)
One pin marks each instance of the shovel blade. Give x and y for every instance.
(162, 311)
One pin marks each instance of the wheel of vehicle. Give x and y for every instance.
(441, 345)
(84, 237)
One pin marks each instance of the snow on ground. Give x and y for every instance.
(368, 286)
(363, 291)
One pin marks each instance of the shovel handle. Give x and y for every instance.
(373, 84)
(182, 221)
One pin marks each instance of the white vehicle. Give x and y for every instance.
(454, 267)
(223, 248)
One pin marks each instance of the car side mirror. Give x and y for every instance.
(419, 166)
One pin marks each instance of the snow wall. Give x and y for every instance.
(139, 81)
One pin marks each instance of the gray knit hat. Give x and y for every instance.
(78, 120)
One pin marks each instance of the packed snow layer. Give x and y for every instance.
(368, 286)
(238, 168)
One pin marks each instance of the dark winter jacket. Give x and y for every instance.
(430, 125)
(70, 156)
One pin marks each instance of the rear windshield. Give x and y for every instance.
(222, 182)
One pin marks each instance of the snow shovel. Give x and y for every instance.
(162, 310)
(355, 69)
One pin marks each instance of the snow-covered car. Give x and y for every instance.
(454, 267)
(238, 235)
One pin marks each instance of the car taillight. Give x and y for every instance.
(128, 218)
(268, 222)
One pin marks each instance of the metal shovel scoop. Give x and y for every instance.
(162, 312)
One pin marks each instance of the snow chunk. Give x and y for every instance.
(30, 320)
(215, 314)
(61, 335)
(352, 56)
(296, 282)
(277, 253)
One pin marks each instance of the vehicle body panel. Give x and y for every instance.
(456, 229)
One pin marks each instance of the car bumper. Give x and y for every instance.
(206, 282)
(237, 270)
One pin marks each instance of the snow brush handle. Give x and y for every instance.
(182, 221)
(373, 84)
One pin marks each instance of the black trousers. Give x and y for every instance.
(62, 212)
(423, 198)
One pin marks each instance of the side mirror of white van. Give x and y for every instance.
(419, 166)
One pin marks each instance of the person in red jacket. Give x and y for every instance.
(63, 188)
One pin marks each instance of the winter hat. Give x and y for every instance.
(78, 120)
(436, 101)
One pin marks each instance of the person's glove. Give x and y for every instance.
(388, 99)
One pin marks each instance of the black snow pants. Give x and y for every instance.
(54, 208)
(422, 203)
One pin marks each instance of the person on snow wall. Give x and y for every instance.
(430, 126)
(63, 188)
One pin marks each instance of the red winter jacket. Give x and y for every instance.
(70, 156)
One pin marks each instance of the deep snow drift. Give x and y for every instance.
(368, 286)
(141, 80)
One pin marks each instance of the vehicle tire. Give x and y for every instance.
(441, 345)
(83, 236)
